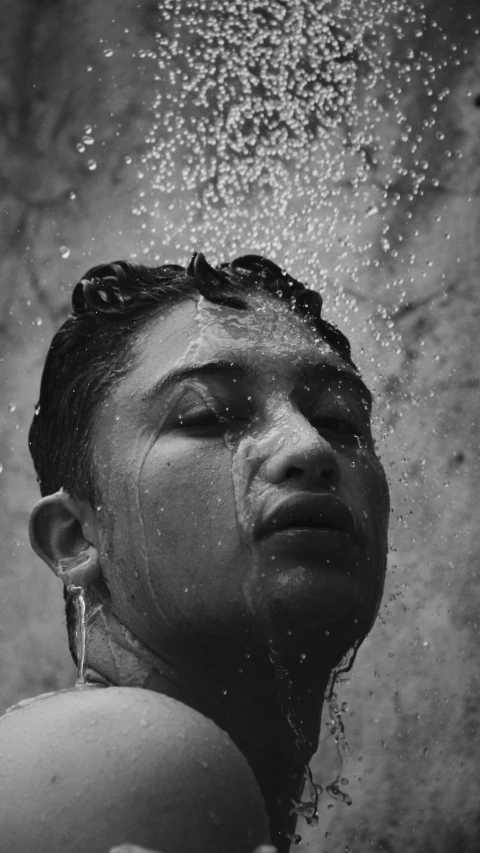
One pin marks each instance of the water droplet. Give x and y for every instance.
(64, 251)
(12, 407)
(92, 165)
(108, 52)
(38, 321)
(87, 140)
(1, 467)
(80, 147)
(72, 195)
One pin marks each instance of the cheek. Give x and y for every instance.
(379, 498)
(370, 490)
(177, 550)
(371, 496)
(187, 505)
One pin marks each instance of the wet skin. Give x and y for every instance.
(241, 536)
(224, 415)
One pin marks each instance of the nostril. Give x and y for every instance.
(293, 473)
(328, 474)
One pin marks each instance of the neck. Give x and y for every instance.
(272, 712)
(269, 702)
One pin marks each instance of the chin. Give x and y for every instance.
(301, 600)
(316, 575)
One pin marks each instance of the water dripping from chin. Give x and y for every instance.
(247, 457)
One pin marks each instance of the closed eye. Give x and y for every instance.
(340, 430)
(337, 425)
(207, 422)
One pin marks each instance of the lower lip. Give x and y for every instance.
(320, 538)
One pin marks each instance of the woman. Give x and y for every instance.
(215, 509)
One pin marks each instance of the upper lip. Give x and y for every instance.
(304, 509)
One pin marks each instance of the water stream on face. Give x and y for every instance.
(147, 444)
(249, 454)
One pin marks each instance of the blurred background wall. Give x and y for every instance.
(390, 234)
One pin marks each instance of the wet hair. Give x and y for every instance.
(90, 352)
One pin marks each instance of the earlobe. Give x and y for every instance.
(57, 535)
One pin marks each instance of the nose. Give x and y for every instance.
(298, 453)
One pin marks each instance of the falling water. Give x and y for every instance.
(337, 730)
(78, 593)
(308, 809)
(265, 119)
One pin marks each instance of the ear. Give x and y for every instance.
(63, 533)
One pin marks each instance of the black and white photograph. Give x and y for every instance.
(239, 426)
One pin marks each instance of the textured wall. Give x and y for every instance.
(395, 232)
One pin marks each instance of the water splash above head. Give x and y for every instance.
(267, 117)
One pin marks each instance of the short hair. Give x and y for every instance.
(90, 352)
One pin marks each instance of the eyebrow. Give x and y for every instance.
(234, 370)
(218, 367)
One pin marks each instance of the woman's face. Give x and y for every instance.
(240, 488)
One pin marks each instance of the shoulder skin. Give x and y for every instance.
(81, 772)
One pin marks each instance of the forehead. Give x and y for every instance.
(269, 335)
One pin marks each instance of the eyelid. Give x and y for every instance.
(221, 410)
(352, 429)
(337, 410)
(206, 407)
(358, 427)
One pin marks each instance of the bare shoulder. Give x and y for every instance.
(86, 770)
